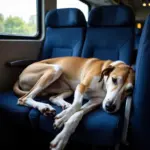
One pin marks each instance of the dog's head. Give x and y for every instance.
(119, 81)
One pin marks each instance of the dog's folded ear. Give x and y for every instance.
(106, 72)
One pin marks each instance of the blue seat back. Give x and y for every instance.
(65, 32)
(140, 117)
(110, 33)
(137, 37)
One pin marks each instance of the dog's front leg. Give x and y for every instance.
(70, 126)
(61, 118)
(59, 99)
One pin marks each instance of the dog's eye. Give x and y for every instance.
(129, 91)
(114, 80)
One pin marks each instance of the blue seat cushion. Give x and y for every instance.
(65, 32)
(35, 115)
(58, 42)
(11, 111)
(65, 17)
(98, 127)
(110, 34)
(112, 16)
(109, 43)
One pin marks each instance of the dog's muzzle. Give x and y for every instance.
(110, 107)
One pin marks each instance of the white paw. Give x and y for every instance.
(62, 117)
(52, 98)
(46, 109)
(59, 102)
(64, 104)
(59, 142)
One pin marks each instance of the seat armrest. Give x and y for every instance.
(20, 63)
(126, 119)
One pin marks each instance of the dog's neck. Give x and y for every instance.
(104, 81)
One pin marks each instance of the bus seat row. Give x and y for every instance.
(108, 34)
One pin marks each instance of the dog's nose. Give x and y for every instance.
(110, 106)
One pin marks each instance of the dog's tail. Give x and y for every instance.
(18, 91)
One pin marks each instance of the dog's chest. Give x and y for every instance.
(91, 93)
(73, 83)
(96, 89)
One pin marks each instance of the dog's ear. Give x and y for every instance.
(106, 72)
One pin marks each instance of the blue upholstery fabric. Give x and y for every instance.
(137, 38)
(10, 109)
(98, 127)
(63, 42)
(35, 115)
(65, 32)
(110, 42)
(65, 17)
(140, 120)
(111, 16)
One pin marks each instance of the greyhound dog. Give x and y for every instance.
(104, 82)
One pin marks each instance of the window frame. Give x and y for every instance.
(88, 4)
(39, 27)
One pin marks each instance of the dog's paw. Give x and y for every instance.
(59, 102)
(46, 109)
(65, 105)
(59, 142)
(21, 101)
(62, 117)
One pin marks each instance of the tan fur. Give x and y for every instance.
(82, 88)
(106, 64)
(73, 68)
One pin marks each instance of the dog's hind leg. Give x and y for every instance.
(59, 99)
(45, 80)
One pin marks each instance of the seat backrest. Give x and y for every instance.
(110, 33)
(140, 116)
(138, 33)
(65, 32)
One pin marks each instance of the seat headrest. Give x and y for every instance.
(114, 15)
(65, 17)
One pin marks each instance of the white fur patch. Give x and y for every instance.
(73, 83)
(129, 85)
(57, 67)
(77, 100)
(66, 114)
(113, 95)
(94, 82)
(62, 138)
(39, 105)
(116, 62)
(31, 103)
